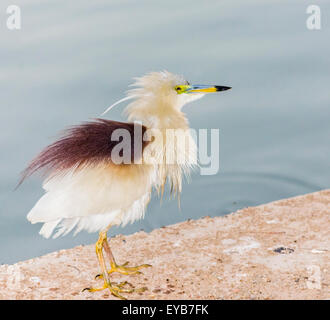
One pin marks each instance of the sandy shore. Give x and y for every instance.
(279, 250)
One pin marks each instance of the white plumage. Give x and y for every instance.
(91, 200)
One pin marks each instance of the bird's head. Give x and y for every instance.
(162, 95)
(170, 90)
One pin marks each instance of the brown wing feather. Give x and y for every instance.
(88, 143)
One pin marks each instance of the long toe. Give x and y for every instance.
(123, 269)
(117, 288)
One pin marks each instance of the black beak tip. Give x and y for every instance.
(222, 88)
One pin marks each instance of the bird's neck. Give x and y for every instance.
(159, 119)
(162, 117)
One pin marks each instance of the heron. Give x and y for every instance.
(89, 187)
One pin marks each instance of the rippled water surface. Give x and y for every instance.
(73, 59)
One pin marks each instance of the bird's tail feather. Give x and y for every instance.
(48, 228)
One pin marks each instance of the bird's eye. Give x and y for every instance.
(177, 88)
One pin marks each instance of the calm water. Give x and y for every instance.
(70, 61)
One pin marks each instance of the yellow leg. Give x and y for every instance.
(114, 288)
(123, 269)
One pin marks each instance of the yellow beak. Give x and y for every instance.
(205, 89)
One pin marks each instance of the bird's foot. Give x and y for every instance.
(123, 269)
(117, 288)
